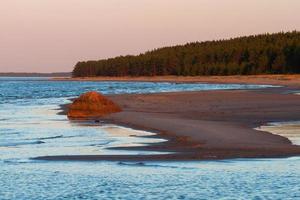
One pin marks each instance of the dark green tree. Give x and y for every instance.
(257, 54)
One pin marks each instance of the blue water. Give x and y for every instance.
(232, 179)
(30, 127)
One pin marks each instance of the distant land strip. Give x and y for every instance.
(56, 74)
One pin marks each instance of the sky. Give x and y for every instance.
(53, 35)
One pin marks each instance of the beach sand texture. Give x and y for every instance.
(209, 124)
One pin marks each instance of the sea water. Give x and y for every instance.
(31, 127)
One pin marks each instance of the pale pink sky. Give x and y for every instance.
(52, 35)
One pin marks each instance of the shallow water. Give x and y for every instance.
(290, 130)
(227, 179)
(30, 127)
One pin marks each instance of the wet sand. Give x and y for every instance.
(208, 124)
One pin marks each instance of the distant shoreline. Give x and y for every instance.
(284, 79)
(24, 74)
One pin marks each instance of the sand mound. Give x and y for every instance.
(91, 105)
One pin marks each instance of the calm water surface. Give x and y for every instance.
(30, 127)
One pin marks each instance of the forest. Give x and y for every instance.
(277, 53)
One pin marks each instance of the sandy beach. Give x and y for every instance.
(210, 124)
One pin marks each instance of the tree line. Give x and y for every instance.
(276, 53)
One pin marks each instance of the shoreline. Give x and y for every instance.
(205, 125)
(280, 79)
